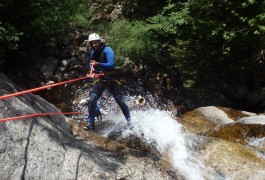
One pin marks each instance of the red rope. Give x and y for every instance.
(39, 88)
(38, 115)
(90, 75)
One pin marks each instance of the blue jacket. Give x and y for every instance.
(105, 57)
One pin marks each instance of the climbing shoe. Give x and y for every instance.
(129, 124)
(91, 126)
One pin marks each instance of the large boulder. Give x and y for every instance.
(225, 123)
(44, 148)
(231, 160)
(243, 130)
(204, 120)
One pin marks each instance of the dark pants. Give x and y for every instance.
(114, 88)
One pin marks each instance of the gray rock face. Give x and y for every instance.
(44, 148)
(215, 115)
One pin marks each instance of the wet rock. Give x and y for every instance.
(113, 143)
(242, 130)
(130, 144)
(137, 143)
(225, 123)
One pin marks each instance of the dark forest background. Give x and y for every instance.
(212, 43)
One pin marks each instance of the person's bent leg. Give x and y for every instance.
(115, 90)
(124, 107)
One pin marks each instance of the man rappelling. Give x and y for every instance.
(102, 59)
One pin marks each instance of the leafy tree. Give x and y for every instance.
(131, 39)
(210, 39)
(34, 27)
(9, 38)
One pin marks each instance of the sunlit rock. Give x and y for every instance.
(205, 119)
(224, 123)
(243, 129)
(232, 160)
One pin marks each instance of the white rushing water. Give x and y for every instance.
(159, 128)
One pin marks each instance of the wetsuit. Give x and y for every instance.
(105, 57)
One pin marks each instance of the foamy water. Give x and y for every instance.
(159, 128)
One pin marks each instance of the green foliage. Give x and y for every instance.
(37, 27)
(170, 21)
(131, 39)
(81, 19)
(188, 83)
(204, 38)
(9, 38)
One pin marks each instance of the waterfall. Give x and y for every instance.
(158, 128)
